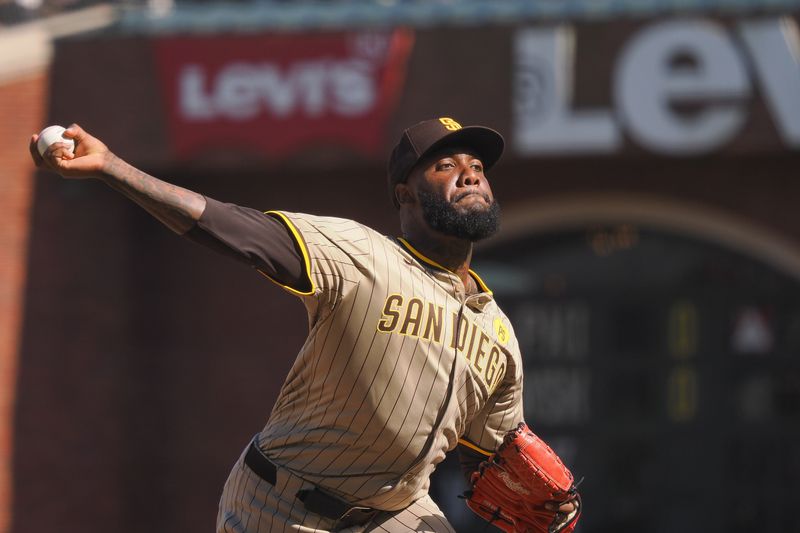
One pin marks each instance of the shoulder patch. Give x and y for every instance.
(501, 331)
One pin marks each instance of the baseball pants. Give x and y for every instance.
(250, 504)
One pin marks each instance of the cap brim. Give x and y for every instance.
(486, 142)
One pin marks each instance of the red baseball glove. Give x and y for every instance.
(510, 489)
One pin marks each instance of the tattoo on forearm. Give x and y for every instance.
(174, 206)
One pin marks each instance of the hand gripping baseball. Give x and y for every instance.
(514, 487)
(88, 159)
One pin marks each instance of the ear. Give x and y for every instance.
(403, 194)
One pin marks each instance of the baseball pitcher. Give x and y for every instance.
(408, 355)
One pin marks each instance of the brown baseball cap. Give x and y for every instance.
(428, 136)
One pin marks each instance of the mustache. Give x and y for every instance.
(467, 193)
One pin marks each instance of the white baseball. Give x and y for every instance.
(50, 135)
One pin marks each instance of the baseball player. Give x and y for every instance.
(408, 355)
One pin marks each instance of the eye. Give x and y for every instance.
(444, 165)
(477, 167)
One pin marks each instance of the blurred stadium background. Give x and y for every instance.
(650, 257)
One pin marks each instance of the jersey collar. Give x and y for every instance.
(416, 253)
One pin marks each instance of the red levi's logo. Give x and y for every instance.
(276, 94)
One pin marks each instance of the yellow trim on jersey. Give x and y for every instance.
(431, 262)
(471, 446)
(480, 282)
(306, 258)
(422, 257)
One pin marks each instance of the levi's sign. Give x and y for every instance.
(242, 91)
(277, 94)
(679, 87)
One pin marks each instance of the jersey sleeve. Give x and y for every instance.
(335, 254)
(502, 412)
(254, 238)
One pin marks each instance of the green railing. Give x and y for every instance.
(245, 16)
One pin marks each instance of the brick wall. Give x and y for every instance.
(21, 112)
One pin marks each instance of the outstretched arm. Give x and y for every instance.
(176, 207)
(251, 236)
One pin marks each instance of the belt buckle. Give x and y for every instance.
(356, 516)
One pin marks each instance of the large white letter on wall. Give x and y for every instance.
(542, 94)
(681, 62)
(774, 45)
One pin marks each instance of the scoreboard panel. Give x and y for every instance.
(663, 369)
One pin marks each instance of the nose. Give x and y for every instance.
(469, 177)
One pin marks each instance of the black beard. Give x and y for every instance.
(473, 224)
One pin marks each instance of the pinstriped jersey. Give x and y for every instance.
(399, 366)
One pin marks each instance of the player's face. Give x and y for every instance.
(454, 195)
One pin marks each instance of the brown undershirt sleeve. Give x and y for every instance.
(252, 237)
(469, 461)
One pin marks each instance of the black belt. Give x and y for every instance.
(315, 500)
